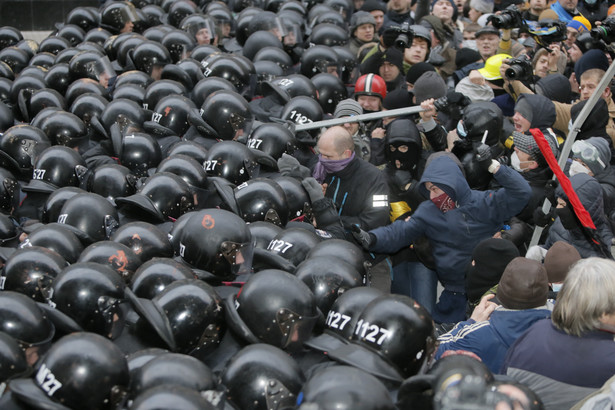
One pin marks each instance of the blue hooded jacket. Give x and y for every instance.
(454, 234)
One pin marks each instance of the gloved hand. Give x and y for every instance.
(485, 159)
(550, 192)
(402, 178)
(290, 167)
(366, 239)
(542, 219)
(313, 188)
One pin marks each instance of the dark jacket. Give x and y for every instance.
(491, 339)
(560, 368)
(589, 192)
(455, 234)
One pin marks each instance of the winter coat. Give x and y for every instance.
(491, 339)
(454, 234)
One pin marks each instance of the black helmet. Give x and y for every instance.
(56, 167)
(187, 168)
(207, 86)
(329, 34)
(9, 36)
(172, 368)
(194, 23)
(134, 77)
(294, 244)
(331, 90)
(146, 240)
(72, 33)
(340, 248)
(201, 52)
(123, 46)
(9, 234)
(58, 77)
(170, 396)
(262, 377)
(156, 274)
(90, 294)
(92, 216)
(327, 278)
(179, 43)
(178, 11)
(228, 238)
(191, 67)
(262, 199)
(7, 119)
(57, 238)
(97, 35)
(296, 196)
(31, 102)
(302, 110)
(259, 40)
(273, 139)
(393, 339)
(275, 55)
(15, 57)
(170, 116)
(139, 152)
(55, 202)
(129, 91)
(157, 32)
(80, 65)
(45, 60)
(190, 149)
(82, 86)
(176, 73)
(13, 362)
(149, 54)
(112, 181)
(5, 72)
(19, 147)
(187, 315)
(65, 128)
(31, 270)
(229, 67)
(479, 117)
(266, 71)
(292, 86)
(318, 59)
(162, 196)
(267, 21)
(230, 160)
(348, 62)
(123, 112)
(159, 89)
(57, 383)
(43, 115)
(342, 318)
(22, 319)
(82, 17)
(22, 82)
(115, 255)
(65, 55)
(263, 232)
(9, 191)
(344, 387)
(116, 14)
(274, 307)
(402, 132)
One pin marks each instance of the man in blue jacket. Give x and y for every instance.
(492, 329)
(454, 220)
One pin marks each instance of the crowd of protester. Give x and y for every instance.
(178, 231)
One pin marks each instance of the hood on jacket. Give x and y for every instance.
(555, 87)
(543, 110)
(595, 123)
(589, 191)
(509, 325)
(443, 170)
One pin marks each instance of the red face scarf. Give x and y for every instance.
(444, 202)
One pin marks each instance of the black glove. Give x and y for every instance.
(402, 178)
(550, 192)
(483, 156)
(290, 167)
(313, 188)
(542, 219)
(366, 239)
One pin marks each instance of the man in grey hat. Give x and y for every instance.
(348, 108)
(362, 31)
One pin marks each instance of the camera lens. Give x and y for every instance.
(401, 41)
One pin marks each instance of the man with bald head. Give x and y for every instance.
(355, 194)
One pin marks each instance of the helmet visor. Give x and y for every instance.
(297, 328)
(129, 14)
(239, 256)
(203, 31)
(101, 70)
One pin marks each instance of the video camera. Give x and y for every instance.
(509, 18)
(398, 36)
(471, 393)
(520, 68)
(547, 32)
(605, 32)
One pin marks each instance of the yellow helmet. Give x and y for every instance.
(491, 71)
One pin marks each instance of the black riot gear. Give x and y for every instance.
(275, 55)
(262, 377)
(207, 86)
(340, 248)
(12, 359)
(24, 320)
(294, 244)
(170, 116)
(227, 251)
(139, 152)
(82, 86)
(101, 364)
(91, 216)
(72, 33)
(178, 11)
(134, 77)
(155, 275)
(348, 62)
(15, 57)
(55, 237)
(65, 128)
(342, 318)
(89, 107)
(45, 60)
(176, 73)
(331, 90)
(97, 35)
(31, 102)
(90, 294)
(115, 15)
(187, 168)
(263, 232)
(259, 40)
(191, 67)
(328, 34)
(190, 149)
(31, 269)
(230, 160)
(318, 59)
(7, 118)
(327, 278)
(296, 196)
(179, 43)
(481, 117)
(56, 167)
(123, 112)
(274, 307)
(146, 240)
(170, 396)
(19, 147)
(9, 36)
(112, 181)
(292, 86)
(115, 255)
(55, 202)
(262, 199)
(344, 387)
(273, 139)
(9, 191)
(302, 110)
(229, 67)
(160, 89)
(130, 91)
(187, 315)
(404, 339)
(82, 17)
(58, 77)
(163, 195)
(149, 54)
